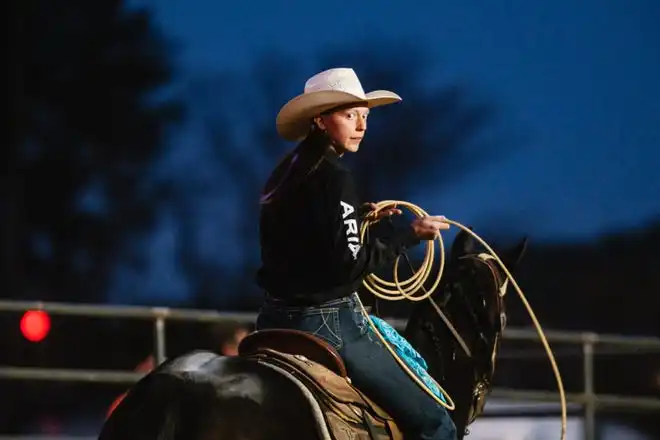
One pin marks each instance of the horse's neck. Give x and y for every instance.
(427, 343)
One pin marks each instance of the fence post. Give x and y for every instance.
(159, 336)
(588, 343)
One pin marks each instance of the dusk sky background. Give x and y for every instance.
(577, 81)
(537, 118)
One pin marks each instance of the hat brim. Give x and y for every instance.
(293, 120)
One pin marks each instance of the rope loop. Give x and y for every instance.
(409, 289)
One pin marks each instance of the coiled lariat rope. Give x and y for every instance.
(409, 289)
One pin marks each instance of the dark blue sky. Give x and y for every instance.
(579, 80)
(582, 78)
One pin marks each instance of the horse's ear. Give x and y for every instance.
(463, 244)
(513, 256)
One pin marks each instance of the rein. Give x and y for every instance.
(409, 289)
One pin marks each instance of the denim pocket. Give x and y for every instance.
(359, 319)
(323, 323)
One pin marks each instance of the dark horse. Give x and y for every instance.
(201, 395)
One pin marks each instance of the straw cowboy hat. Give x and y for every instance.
(324, 91)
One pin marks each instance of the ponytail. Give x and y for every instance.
(294, 168)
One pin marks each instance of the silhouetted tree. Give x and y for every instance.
(86, 125)
(428, 139)
(231, 116)
(609, 285)
(584, 286)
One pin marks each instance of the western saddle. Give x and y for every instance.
(348, 413)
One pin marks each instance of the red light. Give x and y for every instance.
(35, 325)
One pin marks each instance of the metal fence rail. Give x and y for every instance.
(159, 315)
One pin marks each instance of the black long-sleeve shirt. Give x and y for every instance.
(310, 242)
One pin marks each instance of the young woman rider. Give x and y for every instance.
(312, 258)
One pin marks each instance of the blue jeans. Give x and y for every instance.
(370, 365)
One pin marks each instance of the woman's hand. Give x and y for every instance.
(428, 228)
(372, 215)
